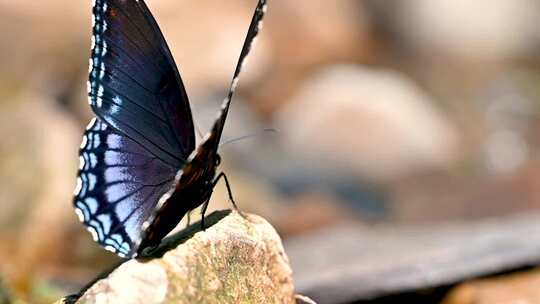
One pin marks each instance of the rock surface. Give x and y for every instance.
(516, 288)
(355, 262)
(237, 259)
(502, 29)
(376, 122)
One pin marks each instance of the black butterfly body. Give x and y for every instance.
(140, 171)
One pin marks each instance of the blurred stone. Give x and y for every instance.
(39, 142)
(317, 210)
(37, 169)
(477, 30)
(212, 266)
(462, 195)
(49, 42)
(311, 31)
(207, 53)
(305, 34)
(510, 110)
(518, 288)
(349, 263)
(375, 122)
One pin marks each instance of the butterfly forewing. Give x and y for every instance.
(134, 85)
(251, 36)
(118, 187)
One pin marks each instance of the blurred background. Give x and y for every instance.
(389, 113)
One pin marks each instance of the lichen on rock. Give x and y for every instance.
(239, 258)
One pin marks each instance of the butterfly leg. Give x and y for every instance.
(188, 218)
(222, 174)
(203, 212)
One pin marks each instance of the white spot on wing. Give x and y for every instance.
(84, 141)
(117, 100)
(90, 67)
(91, 124)
(82, 162)
(78, 187)
(104, 50)
(93, 233)
(80, 214)
(102, 71)
(110, 247)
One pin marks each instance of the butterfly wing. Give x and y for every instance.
(254, 28)
(118, 187)
(134, 85)
(202, 164)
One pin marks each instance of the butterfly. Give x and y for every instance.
(139, 169)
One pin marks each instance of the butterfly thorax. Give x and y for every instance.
(196, 179)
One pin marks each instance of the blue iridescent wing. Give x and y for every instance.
(134, 85)
(118, 187)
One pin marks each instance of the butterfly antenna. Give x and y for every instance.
(272, 130)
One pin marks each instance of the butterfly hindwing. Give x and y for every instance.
(134, 84)
(118, 187)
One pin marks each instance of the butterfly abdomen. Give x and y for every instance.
(171, 212)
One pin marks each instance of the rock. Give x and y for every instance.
(37, 169)
(49, 43)
(207, 54)
(305, 34)
(351, 263)
(373, 121)
(237, 259)
(311, 31)
(477, 30)
(516, 288)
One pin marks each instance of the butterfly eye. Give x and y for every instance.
(218, 159)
